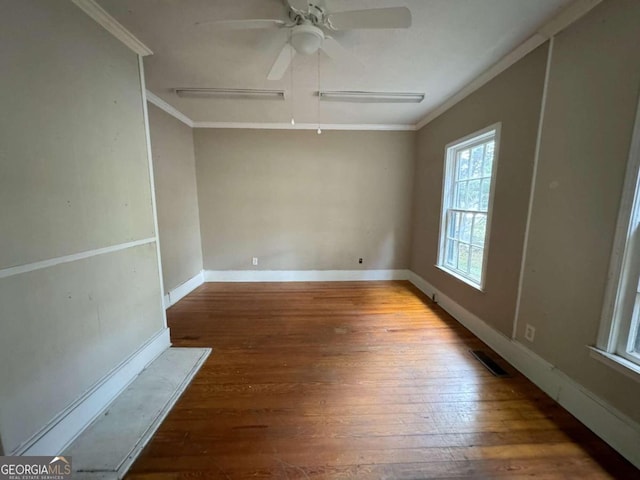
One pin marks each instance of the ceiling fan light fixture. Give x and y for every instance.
(306, 38)
(371, 97)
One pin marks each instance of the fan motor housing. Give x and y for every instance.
(306, 38)
(312, 13)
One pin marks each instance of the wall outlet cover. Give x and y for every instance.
(529, 332)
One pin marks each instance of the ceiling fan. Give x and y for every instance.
(311, 26)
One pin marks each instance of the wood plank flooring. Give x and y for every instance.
(366, 380)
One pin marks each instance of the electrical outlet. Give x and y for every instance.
(359, 260)
(529, 332)
(255, 260)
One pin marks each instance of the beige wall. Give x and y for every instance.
(176, 197)
(74, 177)
(302, 201)
(592, 98)
(513, 98)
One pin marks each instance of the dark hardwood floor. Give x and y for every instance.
(355, 380)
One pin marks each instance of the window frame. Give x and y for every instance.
(621, 307)
(448, 180)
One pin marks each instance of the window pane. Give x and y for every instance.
(465, 227)
(463, 165)
(447, 251)
(452, 253)
(488, 159)
(634, 330)
(463, 257)
(475, 267)
(479, 229)
(484, 194)
(460, 195)
(473, 194)
(454, 224)
(477, 154)
(636, 342)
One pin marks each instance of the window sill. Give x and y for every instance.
(616, 362)
(459, 277)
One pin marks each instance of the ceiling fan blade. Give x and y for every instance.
(339, 54)
(282, 62)
(244, 24)
(393, 17)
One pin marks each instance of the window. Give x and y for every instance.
(624, 336)
(470, 166)
(618, 342)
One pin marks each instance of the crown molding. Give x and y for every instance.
(174, 112)
(95, 11)
(562, 20)
(305, 126)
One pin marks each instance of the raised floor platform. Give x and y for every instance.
(108, 447)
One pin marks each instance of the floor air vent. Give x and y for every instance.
(491, 365)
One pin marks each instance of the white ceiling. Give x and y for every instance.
(449, 44)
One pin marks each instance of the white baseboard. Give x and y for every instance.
(175, 295)
(302, 275)
(613, 426)
(66, 426)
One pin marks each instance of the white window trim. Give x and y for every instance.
(614, 313)
(448, 150)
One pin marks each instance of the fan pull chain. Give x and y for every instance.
(293, 122)
(319, 129)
